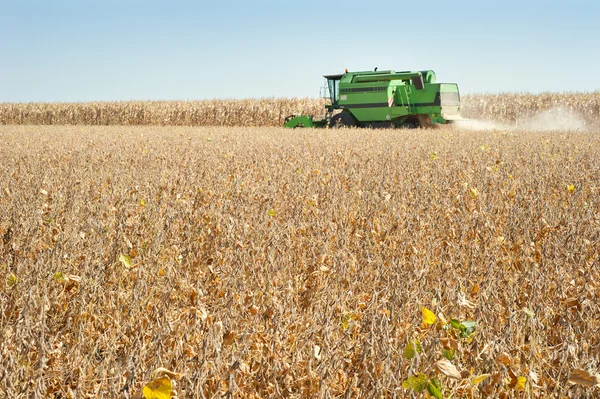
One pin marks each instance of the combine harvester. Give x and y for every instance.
(385, 99)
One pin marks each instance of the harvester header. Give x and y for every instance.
(385, 99)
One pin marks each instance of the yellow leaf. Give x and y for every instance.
(521, 381)
(479, 378)
(160, 388)
(474, 192)
(428, 316)
(571, 188)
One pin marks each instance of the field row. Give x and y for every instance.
(503, 108)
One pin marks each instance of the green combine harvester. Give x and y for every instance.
(385, 99)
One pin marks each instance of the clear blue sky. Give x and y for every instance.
(87, 50)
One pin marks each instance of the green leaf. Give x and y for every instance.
(125, 260)
(347, 319)
(271, 212)
(468, 327)
(60, 277)
(412, 348)
(449, 353)
(529, 312)
(12, 280)
(455, 324)
(417, 383)
(435, 388)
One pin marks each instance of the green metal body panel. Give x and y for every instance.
(294, 121)
(389, 98)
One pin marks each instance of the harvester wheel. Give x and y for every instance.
(425, 122)
(342, 119)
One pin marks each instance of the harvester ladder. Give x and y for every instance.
(408, 103)
(405, 98)
(401, 98)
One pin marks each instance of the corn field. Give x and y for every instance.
(505, 108)
(246, 262)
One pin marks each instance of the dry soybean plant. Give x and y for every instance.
(255, 262)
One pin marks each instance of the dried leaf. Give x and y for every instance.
(161, 372)
(317, 352)
(584, 377)
(445, 367)
(503, 358)
(229, 337)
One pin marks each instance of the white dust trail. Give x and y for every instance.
(555, 119)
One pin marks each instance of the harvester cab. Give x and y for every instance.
(384, 99)
(331, 90)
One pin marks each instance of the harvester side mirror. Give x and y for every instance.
(418, 83)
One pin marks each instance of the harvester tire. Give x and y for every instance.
(343, 119)
(425, 122)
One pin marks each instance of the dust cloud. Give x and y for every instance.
(474, 124)
(554, 119)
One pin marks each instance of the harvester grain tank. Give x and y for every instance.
(385, 99)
